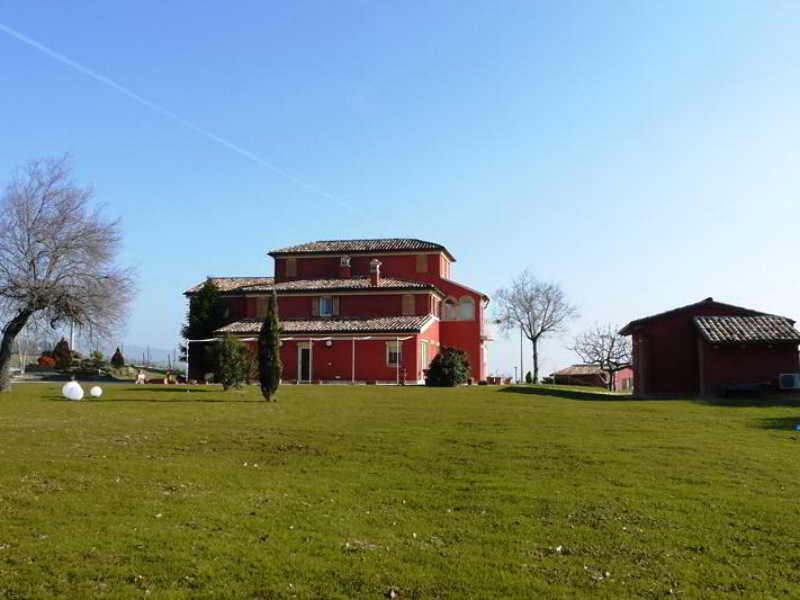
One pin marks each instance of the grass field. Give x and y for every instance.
(370, 492)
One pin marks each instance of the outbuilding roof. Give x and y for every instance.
(760, 328)
(393, 324)
(250, 285)
(362, 246)
(580, 370)
(635, 324)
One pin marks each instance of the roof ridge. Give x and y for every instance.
(384, 239)
(627, 330)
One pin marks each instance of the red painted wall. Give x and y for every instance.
(336, 360)
(726, 364)
(623, 380)
(465, 335)
(366, 305)
(593, 380)
(432, 336)
(236, 306)
(402, 266)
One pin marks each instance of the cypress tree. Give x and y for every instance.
(62, 354)
(203, 319)
(269, 354)
(117, 360)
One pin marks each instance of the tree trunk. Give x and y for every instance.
(611, 381)
(535, 344)
(10, 332)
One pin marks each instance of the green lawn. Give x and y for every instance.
(362, 492)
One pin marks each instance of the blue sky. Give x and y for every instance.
(644, 155)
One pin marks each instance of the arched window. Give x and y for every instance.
(466, 309)
(449, 309)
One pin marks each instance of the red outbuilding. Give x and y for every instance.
(708, 347)
(593, 375)
(373, 310)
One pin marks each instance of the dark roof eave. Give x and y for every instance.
(328, 332)
(428, 286)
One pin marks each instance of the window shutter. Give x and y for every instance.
(315, 306)
(291, 267)
(335, 305)
(422, 263)
(408, 304)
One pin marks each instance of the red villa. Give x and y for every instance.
(360, 310)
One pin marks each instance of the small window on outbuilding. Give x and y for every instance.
(422, 263)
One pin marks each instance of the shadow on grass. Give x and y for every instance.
(784, 423)
(766, 401)
(570, 394)
(177, 389)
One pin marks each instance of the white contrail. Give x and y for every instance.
(171, 115)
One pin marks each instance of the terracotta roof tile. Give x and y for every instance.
(580, 370)
(762, 328)
(236, 284)
(360, 246)
(353, 283)
(246, 285)
(404, 324)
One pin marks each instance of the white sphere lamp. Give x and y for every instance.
(72, 391)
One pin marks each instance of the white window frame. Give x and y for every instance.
(463, 302)
(450, 309)
(322, 301)
(310, 347)
(395, 348)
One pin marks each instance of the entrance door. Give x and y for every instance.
(305, 364)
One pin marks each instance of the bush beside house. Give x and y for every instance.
(448, 368)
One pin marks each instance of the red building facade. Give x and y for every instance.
(705, 347)
(360, 310)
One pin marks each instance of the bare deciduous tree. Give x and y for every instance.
(57, 258)
(537, 307)
(604, 347)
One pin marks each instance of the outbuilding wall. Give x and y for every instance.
(751, 363)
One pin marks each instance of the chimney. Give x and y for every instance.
(345, 272)
(374, 272)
